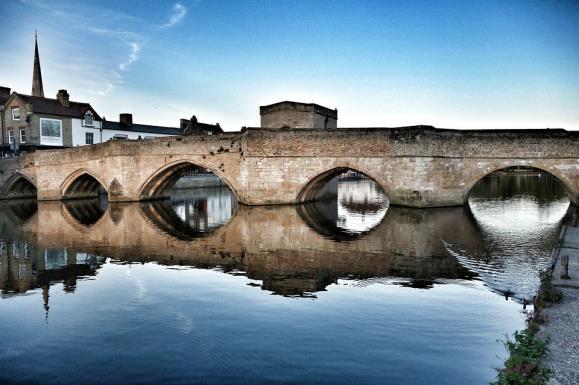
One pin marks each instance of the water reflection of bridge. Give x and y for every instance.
(276, 245)
(294, 251)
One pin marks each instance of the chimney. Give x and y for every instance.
(63, 98)
(126, 119)
(4, 92)
(184, 124)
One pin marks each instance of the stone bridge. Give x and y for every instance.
(417, 166)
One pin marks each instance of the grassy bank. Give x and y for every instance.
(523, 366)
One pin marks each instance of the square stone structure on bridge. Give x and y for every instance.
(298, 115)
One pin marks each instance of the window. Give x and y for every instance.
(88, 119)
(10, 136)
(15, 113)
(22, 136)
(89, 138)
(51, 132)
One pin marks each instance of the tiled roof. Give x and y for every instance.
(53, 107)
(145, 128)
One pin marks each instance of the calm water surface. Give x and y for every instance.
(198, 289)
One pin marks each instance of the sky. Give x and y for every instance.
(450, 64)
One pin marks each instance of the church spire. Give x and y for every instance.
(37, 89)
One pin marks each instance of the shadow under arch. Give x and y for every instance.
(316, 188)
(19, 186)
(473, 182)
(82, 184)
(159, 184)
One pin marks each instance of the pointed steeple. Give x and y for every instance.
(37, 89)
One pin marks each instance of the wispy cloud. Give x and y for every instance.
(133, 41)
(133, 55)
(123, 35)
(178, 13)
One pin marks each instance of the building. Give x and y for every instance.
(126, 129)
(193, 127)
(29, 122)
(298, 115)
(34, 121)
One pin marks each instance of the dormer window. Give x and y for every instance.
(15, 113)
(88, 119)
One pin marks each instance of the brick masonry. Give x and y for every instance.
(416, 166)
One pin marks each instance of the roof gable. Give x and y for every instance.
(53, 106)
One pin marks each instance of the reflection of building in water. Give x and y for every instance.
(204, 209)
(24, 268)
(361, 204)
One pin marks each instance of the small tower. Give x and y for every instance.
(37, 89)
(298, 115)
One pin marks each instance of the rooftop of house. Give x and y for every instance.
(210, 128)
(144, 128)
(194, 127)
(56, 107)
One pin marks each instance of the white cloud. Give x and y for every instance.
(109, 87)
(133, 55)
(179, 12)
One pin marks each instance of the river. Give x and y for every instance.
(200, 289)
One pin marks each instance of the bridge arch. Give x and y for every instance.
(19, 186)
(567, 186)
(159, 184)
(314, 189)
(82, 184)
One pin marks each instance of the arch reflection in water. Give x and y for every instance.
(87, 211)
(190, 213)
(358, 206)
(519, 215)
(20, 210)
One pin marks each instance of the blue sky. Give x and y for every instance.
(454, 64)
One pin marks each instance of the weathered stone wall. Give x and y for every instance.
(416, 166)
(419, 167)
(288, 118)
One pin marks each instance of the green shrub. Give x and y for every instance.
(523, 365)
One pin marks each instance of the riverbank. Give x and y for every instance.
(561, 325)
